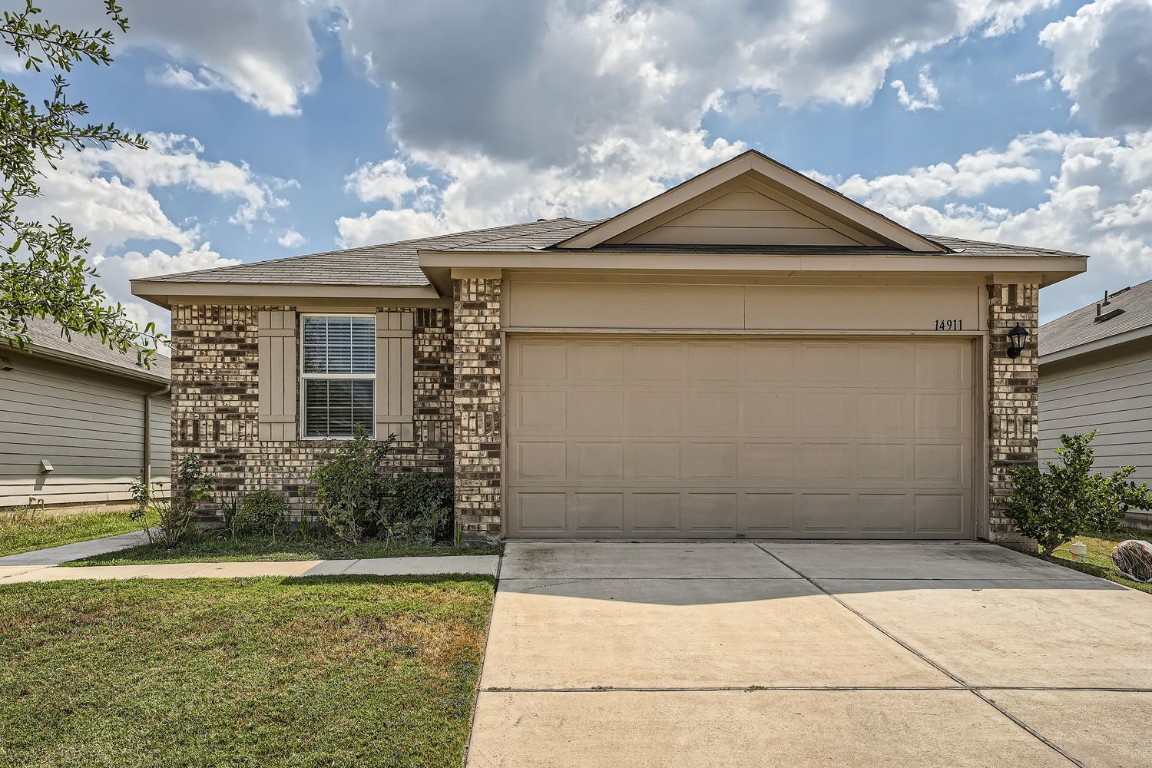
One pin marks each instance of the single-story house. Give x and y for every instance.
(748, 354)
(1096, 373)
(79, 422)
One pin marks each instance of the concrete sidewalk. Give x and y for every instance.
(43, 565)
(932, 655)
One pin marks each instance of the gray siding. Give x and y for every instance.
(1111, 392)
(88, 425)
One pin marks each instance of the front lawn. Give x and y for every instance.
(1098, 561)
(24, 531)
(219, 546)
(333, 671)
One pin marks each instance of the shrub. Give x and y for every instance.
(1055, 506)
(173, 517)
(418, 509)
(350, 488)
(262, 512)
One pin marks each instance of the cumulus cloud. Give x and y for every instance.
(290, 239)
(387, 180)
(1097, 203)
(929, 97)
(1102, 59)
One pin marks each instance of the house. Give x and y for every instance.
(79, 421)
(1096, 373)
(749, 354)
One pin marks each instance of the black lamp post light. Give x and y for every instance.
(1016, 338)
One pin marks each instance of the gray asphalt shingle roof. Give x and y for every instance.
(45, 339)
(1080, 326)
(397, 264)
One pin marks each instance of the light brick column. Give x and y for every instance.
(478, 360)
(1012, 393)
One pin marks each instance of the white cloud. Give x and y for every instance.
(1097, 203)
(1027, 77)
(290, 239)
(1101, 59)
(929, 97)
(386, 180)
(178, 77)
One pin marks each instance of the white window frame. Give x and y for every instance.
(334, 376)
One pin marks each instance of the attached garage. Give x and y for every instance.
(690, 437)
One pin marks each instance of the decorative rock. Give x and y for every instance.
(1133, 559)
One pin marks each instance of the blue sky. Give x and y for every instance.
(281, 127)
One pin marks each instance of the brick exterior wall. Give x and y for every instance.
(1012, 394)
(215, 402)
(478, 417)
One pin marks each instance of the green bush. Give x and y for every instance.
(418, 509)
(262, 512)
(1055, 506)
(351, 489)
(173, 517)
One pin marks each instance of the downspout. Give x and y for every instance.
(147, 473)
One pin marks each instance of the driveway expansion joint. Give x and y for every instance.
(971, 689)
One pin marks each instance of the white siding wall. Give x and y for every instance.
(1112, 393)
(89, 426)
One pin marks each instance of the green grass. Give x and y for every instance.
(22, 531)
(334, 671)
(1098, 561)
(218, 546)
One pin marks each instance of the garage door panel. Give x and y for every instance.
(652, 460)
(599, 512)
(596, 362)
(715, 438)
(884, 462)
(540, 512)
(595, 410)
(767, 514)
(884, 513)
(710, 512)
(824, 512)
(940, 513)
(597, 461)
(656, 512)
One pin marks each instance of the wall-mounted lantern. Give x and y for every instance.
(1016, 338)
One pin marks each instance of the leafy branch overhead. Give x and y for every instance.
(43, 270)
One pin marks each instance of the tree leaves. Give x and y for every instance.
(44, 273)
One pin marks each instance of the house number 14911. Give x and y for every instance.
(949, 325)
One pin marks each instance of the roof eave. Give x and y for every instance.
(1136, 334)
(1045, 270)
(80, 361)
(165, 293)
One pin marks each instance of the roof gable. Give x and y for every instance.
(752, 200)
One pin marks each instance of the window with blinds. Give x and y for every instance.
(338, 374)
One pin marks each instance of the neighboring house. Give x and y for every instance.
(78, 421)
(1096, 373)
(749, 354)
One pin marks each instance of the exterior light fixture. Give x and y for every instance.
(1016, 338)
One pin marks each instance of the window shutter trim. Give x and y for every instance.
(276, 348)
(394, 376)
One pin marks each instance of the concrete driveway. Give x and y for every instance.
(798, 654)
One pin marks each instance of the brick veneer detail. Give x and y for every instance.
(1012, 395)
(478, 422)
(215, 402)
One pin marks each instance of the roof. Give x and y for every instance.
(397, 264)
(1128, 310)
(390, 264)
(46, 339)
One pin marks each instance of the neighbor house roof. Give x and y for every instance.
(398, 264)
(46, 339)
(1126, 316)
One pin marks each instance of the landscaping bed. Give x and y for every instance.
(249, 672)
(1098, 561)
(220, 546)
(26, 529)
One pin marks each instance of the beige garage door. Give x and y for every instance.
(615, 437)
